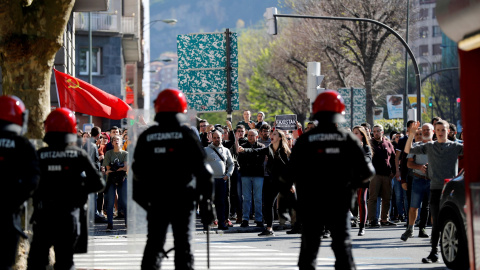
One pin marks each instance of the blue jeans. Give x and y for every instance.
(252, 184)
(420, 189)
(379, 208)
(110, 199)
(400, 197)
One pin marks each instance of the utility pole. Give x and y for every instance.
(228, 70)
(405, 93)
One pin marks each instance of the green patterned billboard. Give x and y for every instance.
(359, 106)
(202, 72)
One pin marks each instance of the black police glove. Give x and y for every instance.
(207, 212)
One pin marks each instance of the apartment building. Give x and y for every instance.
(427, 44)
(117, 64)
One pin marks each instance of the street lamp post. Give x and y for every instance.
(167, 21)
(168, 59)
(272, 13)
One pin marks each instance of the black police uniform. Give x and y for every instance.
(165, 160)
(68, 176)
(20, 175)
(327, 164)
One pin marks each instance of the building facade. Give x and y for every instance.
(428, 40)
(116, 54)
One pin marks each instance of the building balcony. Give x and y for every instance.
(128, 25)
(104, 22)
(100, 22)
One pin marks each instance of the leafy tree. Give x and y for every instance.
(215, 117)
(31, 33)
(272, 75)
(444, 88)
(390, 125)
(361, 46)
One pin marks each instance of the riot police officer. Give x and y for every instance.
(166, 158)
(327, 164)
(20, 174)
(68, 176)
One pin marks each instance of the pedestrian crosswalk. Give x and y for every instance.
(235, 252)
(123, 253)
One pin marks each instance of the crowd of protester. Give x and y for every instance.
(252, 191)
(247, 160)
(108, 152)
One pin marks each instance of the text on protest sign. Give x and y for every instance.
(286, 122)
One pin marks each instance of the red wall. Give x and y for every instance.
(470, 97)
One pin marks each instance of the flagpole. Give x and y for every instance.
(90, 65)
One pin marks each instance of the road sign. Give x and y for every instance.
(395, 106)
(359, 106)
(87, 127)
(203, 71)
(206, 81)
(206, 51)
(211, 102)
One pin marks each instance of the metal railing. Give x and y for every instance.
(128, 25)
(100, 22)
(105, 22)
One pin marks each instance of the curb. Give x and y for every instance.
(238, 229)
(99, 229)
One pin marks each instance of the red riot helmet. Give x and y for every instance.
(61, 120)
(329, 106)
(60, 127)
(13, 115)
(171, 100)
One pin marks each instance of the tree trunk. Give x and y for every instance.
(31, 33)
(31, 83)
(368, 90)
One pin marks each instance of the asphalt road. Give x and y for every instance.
(241, 248)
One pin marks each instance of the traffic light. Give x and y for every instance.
(271, 20)
(430, 102)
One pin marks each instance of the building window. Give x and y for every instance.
(436, 49)
(437, 66)
(436, 31)
(424, 68)
(423, 32)
(423, 15)
(423, 50)
(84, 58)
(433, 14)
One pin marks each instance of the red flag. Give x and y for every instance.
(129, 95)
(83, 97)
